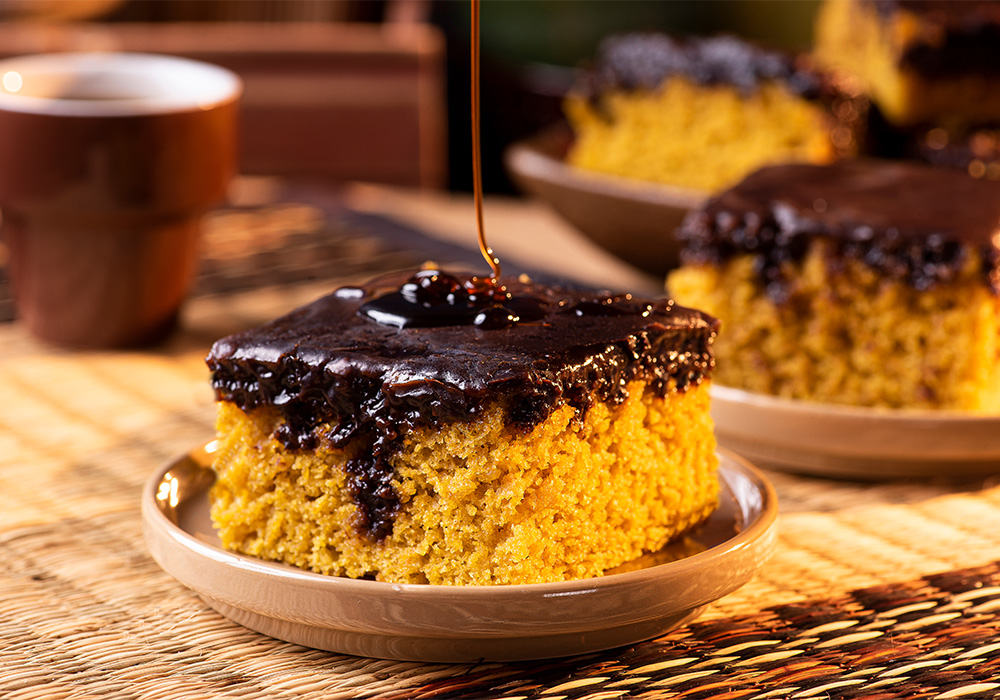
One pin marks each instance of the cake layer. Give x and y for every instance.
(339, 380)
(703, 113)
(845, 334)
(922, 61)
(480, 502)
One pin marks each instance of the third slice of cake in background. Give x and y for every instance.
(922, 61)
(703, 113)
(871, 283)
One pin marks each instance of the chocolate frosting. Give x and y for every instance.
(962, 37)
(644, 60)
(329, 363)
(909, 221)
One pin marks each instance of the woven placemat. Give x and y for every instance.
(86, 613)
(876, 590)
(893, 585)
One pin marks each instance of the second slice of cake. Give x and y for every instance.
(870, 283)
(554, 436)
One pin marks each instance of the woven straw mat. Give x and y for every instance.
(876, 590)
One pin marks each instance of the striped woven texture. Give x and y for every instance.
(880, 590)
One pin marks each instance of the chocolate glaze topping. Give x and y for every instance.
(962, 36)
(330, 364)
(644, 60)
(431, 298)
(909, 221)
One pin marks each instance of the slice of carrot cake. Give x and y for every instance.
(922, 61)
(871, 283)
(702, 113)
(451, 431)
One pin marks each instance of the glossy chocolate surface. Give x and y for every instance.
(960, 37)
(330, 364)
(909, 221)
(643, 61)
(432, 298)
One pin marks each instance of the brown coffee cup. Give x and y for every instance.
(108, 162)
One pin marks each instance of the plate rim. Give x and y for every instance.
(732, 394)
(857, 442)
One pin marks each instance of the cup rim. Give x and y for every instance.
(213, 87)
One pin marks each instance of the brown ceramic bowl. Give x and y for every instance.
(635, 220)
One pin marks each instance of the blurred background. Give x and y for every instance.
(378, 90)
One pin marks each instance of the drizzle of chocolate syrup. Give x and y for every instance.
(436, 298)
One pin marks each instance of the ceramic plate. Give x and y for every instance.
(632, 219)
(457, 623)
(854, 442)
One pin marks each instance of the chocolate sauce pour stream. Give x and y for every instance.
(436, 298)
(477, 159)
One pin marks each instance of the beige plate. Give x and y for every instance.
(854, 442)
(456, 623)
(635, 220)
